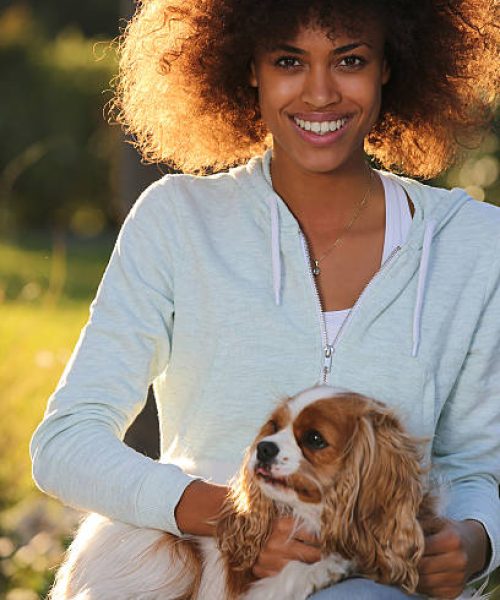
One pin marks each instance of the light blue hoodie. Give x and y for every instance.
(208, 295)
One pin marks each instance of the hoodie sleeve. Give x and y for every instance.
(77, 451)
(467, 443)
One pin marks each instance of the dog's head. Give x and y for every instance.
(345, 460)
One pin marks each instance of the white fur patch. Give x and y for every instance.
(213, 578)
(110, 560)
(307, 397)
(288, 459)
(298, 580)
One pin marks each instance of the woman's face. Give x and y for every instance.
(320, 97)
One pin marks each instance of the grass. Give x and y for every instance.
(35, 344)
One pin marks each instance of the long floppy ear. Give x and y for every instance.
(371, 516)
(243, 528)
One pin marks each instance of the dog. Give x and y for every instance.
(341, 464)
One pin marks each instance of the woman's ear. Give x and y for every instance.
(386, 71)
(252, 78)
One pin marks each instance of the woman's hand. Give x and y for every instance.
(284, 545)
(199, 507)
(451, 557)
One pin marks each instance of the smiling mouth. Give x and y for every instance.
(320, 128)
(263, 473)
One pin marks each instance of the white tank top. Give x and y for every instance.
(397, 222)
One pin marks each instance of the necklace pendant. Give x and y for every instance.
(316, 270)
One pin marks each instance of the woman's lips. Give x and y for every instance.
(320, 140)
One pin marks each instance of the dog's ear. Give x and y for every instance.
(372, 512)
(246, 522)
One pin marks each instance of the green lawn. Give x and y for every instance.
(35, 343)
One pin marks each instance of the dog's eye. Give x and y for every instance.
(314, 440)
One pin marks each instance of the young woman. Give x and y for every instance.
(303, 264)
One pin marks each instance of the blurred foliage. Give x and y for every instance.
(478, 171)
(93, 17)
(59, 158)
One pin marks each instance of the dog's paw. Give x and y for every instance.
(299, 580)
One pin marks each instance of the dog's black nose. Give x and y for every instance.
(266, 451)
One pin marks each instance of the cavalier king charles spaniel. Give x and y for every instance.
(341, 464)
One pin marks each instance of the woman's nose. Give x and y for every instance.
(320, 88)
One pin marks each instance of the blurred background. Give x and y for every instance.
(67, 179)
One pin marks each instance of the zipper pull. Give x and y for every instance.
(327, 364)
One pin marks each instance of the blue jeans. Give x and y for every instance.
(361, 589)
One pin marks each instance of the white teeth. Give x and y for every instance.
(320, 127)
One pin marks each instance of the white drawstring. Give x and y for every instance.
(422, 277)
(275, 248)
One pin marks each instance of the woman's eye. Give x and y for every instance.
(287, 62)
(314, 440)
(352, 61)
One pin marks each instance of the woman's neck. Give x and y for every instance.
(321, 199)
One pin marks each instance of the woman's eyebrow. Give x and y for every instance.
(349, 47)
(339, 50)
(288, 48)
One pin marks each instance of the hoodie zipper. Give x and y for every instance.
(329, 349)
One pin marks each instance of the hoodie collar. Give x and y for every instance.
(432, 213)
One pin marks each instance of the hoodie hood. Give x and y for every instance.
(432, 213)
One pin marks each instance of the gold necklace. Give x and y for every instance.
(364, 201)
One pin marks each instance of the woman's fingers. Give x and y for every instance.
(303, 552)
(293, 543)
(432, 580)
(444, 563)
(268, 566)
(446, 540)
(286, 543)
(450, 558)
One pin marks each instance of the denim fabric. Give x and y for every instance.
(361, 589)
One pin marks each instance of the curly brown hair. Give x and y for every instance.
(183, 89)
